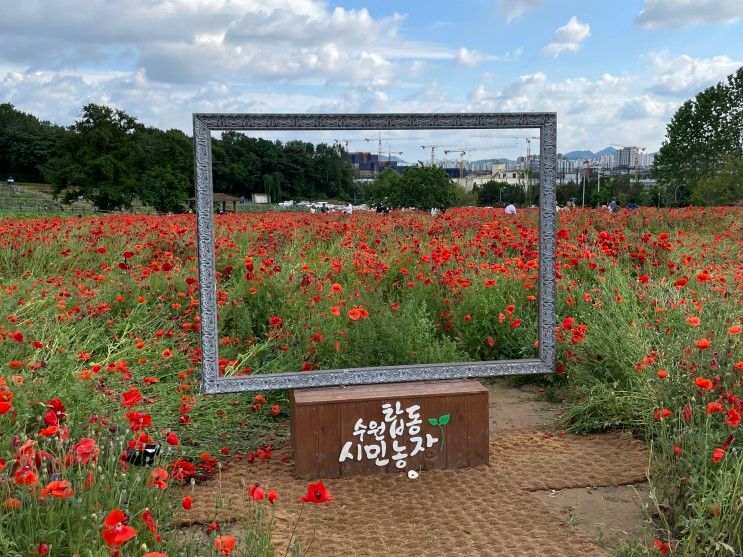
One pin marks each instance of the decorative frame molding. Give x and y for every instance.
(204, 124)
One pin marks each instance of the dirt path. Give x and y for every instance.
(606, 514)
(543, 494)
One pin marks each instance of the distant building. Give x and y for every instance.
(628, 158)
(510, 177)
(261, 198)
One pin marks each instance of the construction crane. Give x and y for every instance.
(463, 150)
(346, 142)
(433, 151)
(527, 139)
(379, 139)
(390, 153)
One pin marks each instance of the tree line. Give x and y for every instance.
(701, 159)
(111, 159)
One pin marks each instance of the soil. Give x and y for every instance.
(606, 514)
(544, 493)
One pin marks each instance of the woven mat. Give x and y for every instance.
(478, 511)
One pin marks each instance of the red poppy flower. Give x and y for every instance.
(12, 504)
(703, 383)
(694, 321)
(663, 413)
(256, 492)
(187, 503)
(317, 493)
(734, 330)
(717, 455)
(354, 314)
(714, 407)
(172, 438)
(150, 522)
(158, 477)
(272, 495)
(275, 321)
(117, 532)
(732, 417)
(49, 431)
(182, 469)
(662, 373)
(662, 546)
(703, 343)
(86, 450)
(25, 476)
(131, 397)
(224, 544)
(58, 488)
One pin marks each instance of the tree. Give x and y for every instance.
(491, 193)
(99, 159)
(26, 144)
(166, 180)
(723, 189)
(703, 133)
(385, 186)
(423, 187)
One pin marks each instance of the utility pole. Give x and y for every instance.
(585, 172)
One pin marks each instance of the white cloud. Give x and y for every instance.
(568, 37)
(591, 114)
(467, 57)
(666, 14)
(201, 40)
(512, 10)
(685, 76)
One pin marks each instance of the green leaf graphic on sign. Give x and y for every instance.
(443, 420)
(433, 421)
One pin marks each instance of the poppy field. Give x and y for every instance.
(103, 429)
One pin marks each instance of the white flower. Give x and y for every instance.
(412, 474)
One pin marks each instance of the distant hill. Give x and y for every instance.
(501, 160)
(580, 155)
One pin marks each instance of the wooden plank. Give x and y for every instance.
(329, 440)
(456, 432)
(390, 390)
(350, 413)
(478, 435)
(306, 441)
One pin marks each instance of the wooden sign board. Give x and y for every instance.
(371, 429)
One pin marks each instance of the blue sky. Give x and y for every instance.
(613, 71)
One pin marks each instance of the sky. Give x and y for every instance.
(613, 71)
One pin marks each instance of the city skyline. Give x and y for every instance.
(614, 72)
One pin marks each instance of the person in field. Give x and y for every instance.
(510, 209)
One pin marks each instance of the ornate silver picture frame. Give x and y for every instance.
(204, 124)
